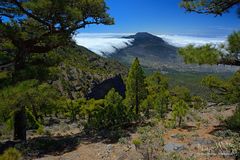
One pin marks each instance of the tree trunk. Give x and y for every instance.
(20, 124)
(161, 111)
(148, 112)
(180, 121)
(19, 64)
(35, 114)
(73, 116)
(137, 105)
(56, 114)
(20, 119)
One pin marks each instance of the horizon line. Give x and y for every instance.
(156, 34)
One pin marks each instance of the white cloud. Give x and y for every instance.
(181, 41)
(101, 43)
(107, 43)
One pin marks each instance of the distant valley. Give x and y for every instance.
(157, 54)
(154, 52)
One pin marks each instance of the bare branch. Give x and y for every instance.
(216, 7)
(226, 61)
(18, 4)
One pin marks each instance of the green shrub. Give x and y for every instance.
(40, 130)
(236, 146)
(11, 154)
(233, 122)
(137, 142)
(180, 93)
(170, 124)
(123, 140)
(32, 123)
(173, 156)
(224, 91)
(47, 133)
(117, 133)
(198, 102)
(108, 113)
(220, 117)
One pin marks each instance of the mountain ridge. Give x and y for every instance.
(157, 54)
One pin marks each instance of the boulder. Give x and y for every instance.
(174, 147)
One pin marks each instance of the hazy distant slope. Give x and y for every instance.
(148, 48)
(155, 53)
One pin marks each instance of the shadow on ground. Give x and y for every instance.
(59, 145)
(40, 146)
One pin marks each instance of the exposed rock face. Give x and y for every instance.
(100, 90)
(76, 83)
(174, 147)
(84, 73)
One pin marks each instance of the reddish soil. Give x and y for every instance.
(197, 137)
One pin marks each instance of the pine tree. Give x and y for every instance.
(135, 87)
(30, 27)
(114, 110)
(225, 91)
(208, 54)
(26, 96)
(106, 113)
(180, 110)
(158, 94)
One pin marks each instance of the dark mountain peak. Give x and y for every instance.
(145, 35)
(150, 49)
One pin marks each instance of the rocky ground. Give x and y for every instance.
(202, 137)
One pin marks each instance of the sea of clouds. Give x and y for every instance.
(103, 43)
(107, 43)
(181, 41)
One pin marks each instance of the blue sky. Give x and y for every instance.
(164, 17)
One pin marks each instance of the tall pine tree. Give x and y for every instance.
(30, 27)
(135, 87)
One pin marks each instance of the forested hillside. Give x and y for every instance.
(74, 70)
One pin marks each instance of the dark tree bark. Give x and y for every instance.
(73, 116)
(20, 119)
(35, 114)
(216, 7)
(20, 124)
(20, 59)
(19, 64)
(56, 114)
(180, 122)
